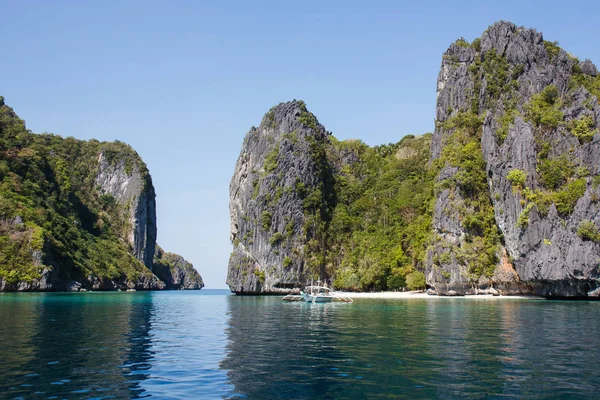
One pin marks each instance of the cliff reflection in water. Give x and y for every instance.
(430, 348)
(297, 350)
(73, 344)
(213, 345)
(276, 351)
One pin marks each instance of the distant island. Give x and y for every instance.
(502, 198)
(79, 215)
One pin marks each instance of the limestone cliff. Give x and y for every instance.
(75, 214)
(506, 199)
(278, 168)
(130, 184)
(175, 271)
(305, 206)
(532, 112)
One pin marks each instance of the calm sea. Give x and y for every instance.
(211, 344)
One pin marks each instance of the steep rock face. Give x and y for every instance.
(74, 214)
(175, 271)
(278, 172)
(508, 202)
(131, 186)
(532, 109)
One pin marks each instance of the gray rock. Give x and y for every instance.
(544, 256)
(132, 188)
(145, 281)
(594, 293)
(275, 165)
(47, 281)
(175, 271)
(588, 68)
(547, 257)
(74, 286)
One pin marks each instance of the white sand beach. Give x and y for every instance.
(386, 295)
(422, 295)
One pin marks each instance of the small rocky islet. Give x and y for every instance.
(502, 198)
(79, 215)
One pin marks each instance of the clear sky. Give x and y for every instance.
(183, 81)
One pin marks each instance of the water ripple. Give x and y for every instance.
(211, 345)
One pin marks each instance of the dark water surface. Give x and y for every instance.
(210, 344)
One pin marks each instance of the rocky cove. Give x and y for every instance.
(437, 169)
(503, 196)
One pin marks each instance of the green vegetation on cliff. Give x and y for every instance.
(563, 182)
(51, 213)
(175, 271)
(365, 212)
(509, 175)
(462, 150)
(368, 217)
(382, 219)
(369, 220)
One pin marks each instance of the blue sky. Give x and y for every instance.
(183, 81)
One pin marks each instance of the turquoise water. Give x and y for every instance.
(210, 344)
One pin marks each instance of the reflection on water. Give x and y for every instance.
(277, 351)
(65, 344)
(113, 345)
(430, 348)
(212, 345)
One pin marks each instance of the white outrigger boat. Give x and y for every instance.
(317, 294)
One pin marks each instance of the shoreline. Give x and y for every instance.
(417, 294)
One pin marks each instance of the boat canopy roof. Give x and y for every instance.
(318, 289)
